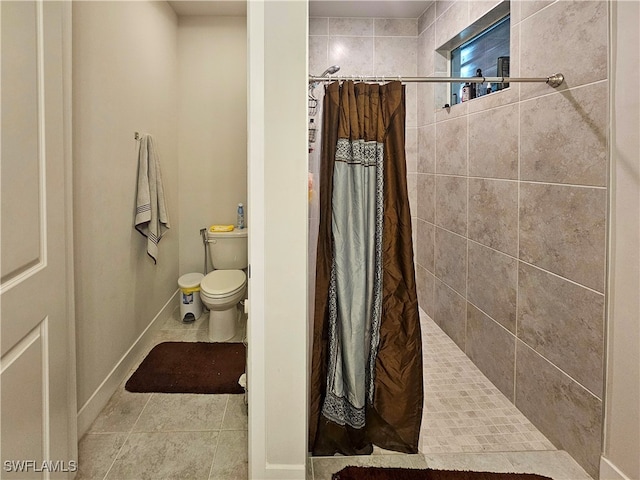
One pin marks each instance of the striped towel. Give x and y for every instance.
(152, 218)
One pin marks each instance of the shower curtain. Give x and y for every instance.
(366, 378)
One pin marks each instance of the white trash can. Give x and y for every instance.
(190, 302)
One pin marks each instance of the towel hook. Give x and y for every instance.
(136, 136)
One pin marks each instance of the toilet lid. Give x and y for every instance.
(221, 282)
(190, 280)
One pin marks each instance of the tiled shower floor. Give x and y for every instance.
(467, 424)
(463, 411)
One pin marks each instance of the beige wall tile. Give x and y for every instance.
(565, 412)
(441, 62)
(427, 149)
(563, 230)
(425, 282)
(479, 8)
(427, 17)
(575, 44)
(452, 21)
(493, 214)
(395, 56)
(441, 97)
(514, 47)
(426, 104)
(564, 137)
(411, 101)
(426, 232)
(497, 99)
(450, 312)
(412, 192)
(563, 322)
(529, 7)
(451, 146)
(443, 5)
(318, 54)
(426, 197)
(451, 259)
(514, 8)
(426, 51)
(318, 26)
(354, 27)
(411, 149)
(492, 349)
(353, 54)
(451, 203)
(493, 142)
(492, 283)
(395, 27)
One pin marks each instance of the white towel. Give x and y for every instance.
(152, 219)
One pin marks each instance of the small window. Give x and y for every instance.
(487, 55)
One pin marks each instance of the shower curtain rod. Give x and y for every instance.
(554, 80)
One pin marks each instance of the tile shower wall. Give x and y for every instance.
(373, 46)
(511, 213)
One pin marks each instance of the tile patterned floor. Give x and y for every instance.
(467, 424)
(140, 436)
(464, 411)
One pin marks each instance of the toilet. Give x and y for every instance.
(223, 288)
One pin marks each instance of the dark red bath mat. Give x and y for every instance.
(190, 367)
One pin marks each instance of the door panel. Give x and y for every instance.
(37, 383)
(21, 108)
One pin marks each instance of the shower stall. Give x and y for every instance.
(508, 212)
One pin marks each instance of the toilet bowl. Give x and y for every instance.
(221, 291)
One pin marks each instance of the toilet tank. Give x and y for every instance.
(228, 250)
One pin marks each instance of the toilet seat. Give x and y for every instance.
(223, 283)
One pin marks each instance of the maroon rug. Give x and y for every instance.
(190, 367)
(375, 473)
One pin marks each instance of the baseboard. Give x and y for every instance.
(92, 407)
(283, 472)
(608, 471)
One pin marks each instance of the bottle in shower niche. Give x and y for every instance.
(312, 131)
(240, 216)
(468, 91)
(479, 86)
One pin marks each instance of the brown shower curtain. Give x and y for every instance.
(368, 120)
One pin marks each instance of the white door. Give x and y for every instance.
(37, 364)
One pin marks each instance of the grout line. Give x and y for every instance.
(215, 451)
(562, 278)
(515, 350)
(561, 370)
(115, 458)
(573, 185)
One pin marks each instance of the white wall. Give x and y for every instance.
(124, 80)
(212, 139)
(277, 369)
(622, 418)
